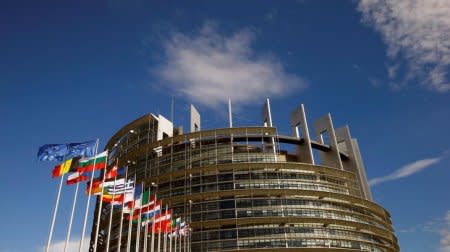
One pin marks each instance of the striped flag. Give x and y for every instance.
(75, 178)
(94, 163)
(121, 187)
(65, 167)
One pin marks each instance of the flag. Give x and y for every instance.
(112, 187)
(65, 167)
(114, 172)
(131, 198)
(83, 149)
(143, 199)
(96, 187)
(121, 188)
(75, 178)
(183, 229)
(57, 152)
(167, 226)
(165, 221)
(163, 218)
(114, 199)
(149, 212)
(145, 212)
(52, 152)
(87, 164)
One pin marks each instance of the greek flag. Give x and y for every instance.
(120, 187)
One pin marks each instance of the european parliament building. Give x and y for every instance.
(252, 189)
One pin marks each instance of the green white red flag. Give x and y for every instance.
(94, 163)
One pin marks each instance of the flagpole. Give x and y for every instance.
(111, 209)
(153, 229)
(175, 241)
(146, 222)
(138, 231)
(97, 228)
(130, 221)
(55, 211)
(165, 232)
(71, 218)
(159, 234)
(83, 232)
(180, 237)
(121, 215)
(170, 239)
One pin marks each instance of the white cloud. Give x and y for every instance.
(416, 32)
(445, 235)
(406, 170)
(209, 67)
(74, 244)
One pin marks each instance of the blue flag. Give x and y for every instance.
(121, 171)
(58, 152)
(84, 149)
(52, 152)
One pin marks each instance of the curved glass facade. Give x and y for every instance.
(240, 191)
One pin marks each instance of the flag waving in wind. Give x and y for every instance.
(94, 163)
(58, 152)
(69, 165)
(75, 178)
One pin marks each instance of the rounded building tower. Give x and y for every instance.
(251, 189)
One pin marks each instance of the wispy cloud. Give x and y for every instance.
(209, 67)
(58, 246)
(407, 170)
(445, 235)
(416, 32)
(438, 226)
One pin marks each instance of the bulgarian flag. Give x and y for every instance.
(87, 164)
(65, 167)
(75, 178)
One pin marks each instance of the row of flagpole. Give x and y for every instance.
(88, 152)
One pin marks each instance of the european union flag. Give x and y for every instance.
(52, 152)
(84, 149)
(58, 152)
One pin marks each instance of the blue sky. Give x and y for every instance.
(80, 70)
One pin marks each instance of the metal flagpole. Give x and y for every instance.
(159, 233)
(138, 231)
(83, 232)
(111, 209)
(180, 237)
(165, 230)
(175, 241)
(55, 211)
(71, 218)
(97, 228)
(146, 221)
(170, 238)
(121, 214)
(153, 230)
(130, 220)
